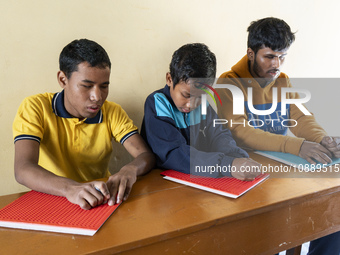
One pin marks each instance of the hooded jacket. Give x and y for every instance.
(266, 132)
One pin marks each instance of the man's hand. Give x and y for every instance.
(88, 195)
(120, 184)
(246, 169)
(332, 144)
(311, 151)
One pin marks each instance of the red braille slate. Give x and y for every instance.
(225, 186)
(40, 211)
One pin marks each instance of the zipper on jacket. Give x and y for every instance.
(185, 116)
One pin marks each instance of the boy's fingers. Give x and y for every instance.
(92, 198)
(84, 205)
(111, 201)
(127, 192)
(103, 189)
(121, 190)
(113, 194)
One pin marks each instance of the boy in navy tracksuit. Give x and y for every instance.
(183, 138)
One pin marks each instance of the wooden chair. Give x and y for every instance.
(294, 251)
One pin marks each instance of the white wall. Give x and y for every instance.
(140, 37)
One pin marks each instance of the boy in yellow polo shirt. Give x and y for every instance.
(64, 139)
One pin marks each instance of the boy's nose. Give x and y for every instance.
(95, 95)
(196, 101)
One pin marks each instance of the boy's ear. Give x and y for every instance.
(250, 54)
(168, 79)
(62, 79)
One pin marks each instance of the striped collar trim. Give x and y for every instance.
(60, 110)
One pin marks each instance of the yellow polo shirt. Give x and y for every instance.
(69, 147)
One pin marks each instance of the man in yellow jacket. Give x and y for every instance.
(258, 76)
(269, 40)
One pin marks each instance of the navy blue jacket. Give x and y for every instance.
(187, 142)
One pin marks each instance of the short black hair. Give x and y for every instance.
(193, 60)
(79, 51)
(270, 32)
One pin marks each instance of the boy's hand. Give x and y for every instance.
(311, 151)
(332, 144)
(246, 169)
(88, 195)
(120, 184)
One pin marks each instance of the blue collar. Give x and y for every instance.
(60, 110)
(166, 92)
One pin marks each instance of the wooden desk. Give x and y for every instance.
(162, 217)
